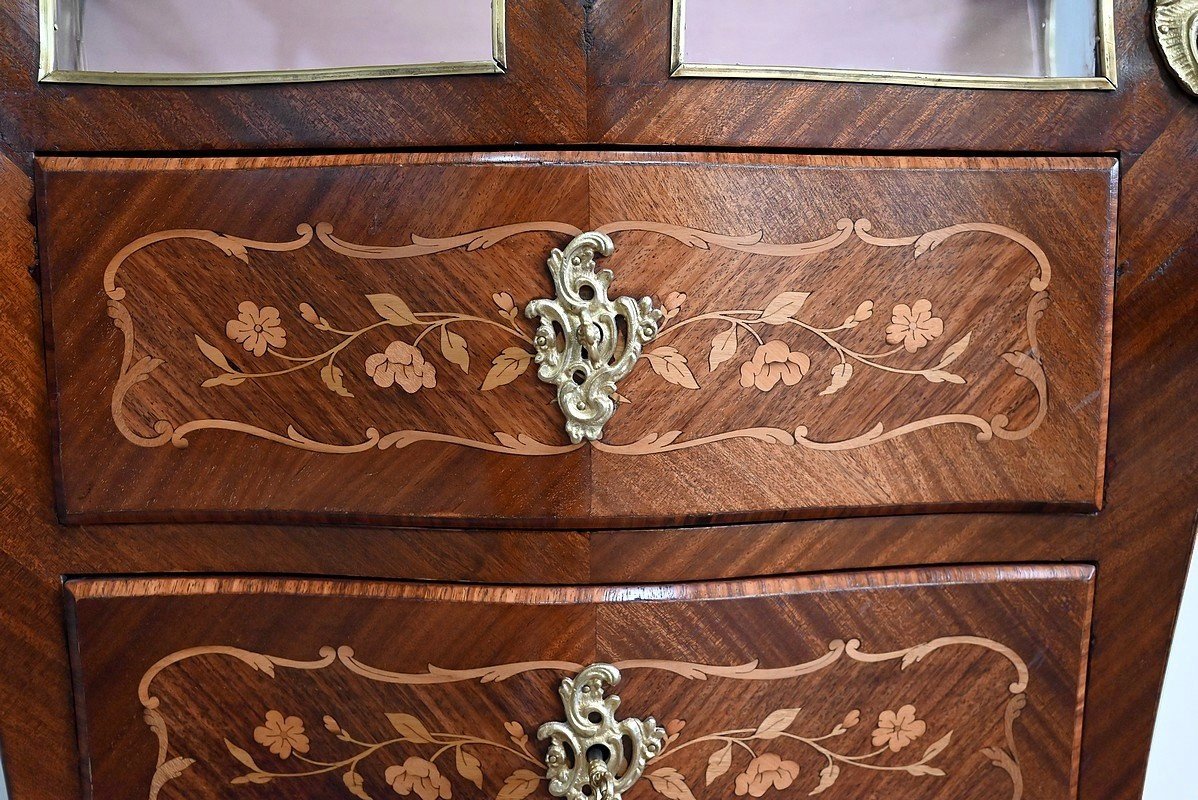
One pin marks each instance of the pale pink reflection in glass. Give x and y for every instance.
(1017, 38)
(213, 36)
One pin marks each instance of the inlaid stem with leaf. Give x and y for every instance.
(765, 770)
(260, 332)
(911, 328)
(285, 737)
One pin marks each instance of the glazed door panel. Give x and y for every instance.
(945, 683)
(346, 337)
(534, 92)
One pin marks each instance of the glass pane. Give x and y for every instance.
(236, 36)
(1011, 38)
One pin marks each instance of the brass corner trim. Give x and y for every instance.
(1175, 25)
(50, 72)
(1107, 78)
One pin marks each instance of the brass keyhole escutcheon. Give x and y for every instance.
(592, 755)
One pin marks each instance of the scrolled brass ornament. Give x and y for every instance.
(1176, 26)
(592, 756)
(580, 346)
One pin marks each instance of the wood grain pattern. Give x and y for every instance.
(541, 99)
(825, 681)
(1139, 542)
(632, 100)
(932, 334)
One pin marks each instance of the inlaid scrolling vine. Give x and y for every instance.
(404, 364)
(748, 760)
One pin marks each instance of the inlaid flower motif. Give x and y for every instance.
(897, 729)
(773, 362)
(403, 364)
(282, 735)
(764, 771)
(257, 329)
(913, 326)
(419, 776)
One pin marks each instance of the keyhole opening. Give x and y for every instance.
(598, 752)
(586, 292)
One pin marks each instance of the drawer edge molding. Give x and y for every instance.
(895, 728)
(259, 331)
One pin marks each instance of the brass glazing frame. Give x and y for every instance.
(48, 72)
(1106, 79)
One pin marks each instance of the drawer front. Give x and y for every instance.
(939, 683)
(346, 338)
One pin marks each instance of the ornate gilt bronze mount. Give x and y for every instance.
(587, 342)
(1176, 25)
(587, 759)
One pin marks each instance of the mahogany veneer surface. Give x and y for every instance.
(841, 333)
(934, 683)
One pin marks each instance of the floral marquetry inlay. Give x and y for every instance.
(772, 345)
(786, 749)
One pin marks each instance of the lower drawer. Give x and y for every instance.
(929, 683)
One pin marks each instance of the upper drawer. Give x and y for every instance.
(925, 685)
(344, 337)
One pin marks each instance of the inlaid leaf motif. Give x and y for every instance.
(942, 376)
(516, 731)
(777, 722)
(670, 783)
(334, 378)
(214, 355)
(506, 367)
(232, 248)
(783, 307)
(241, 755)
(723, 347)
(224, 379)
(354, 782)
(453, 347)
(253, 777)
(392, 309)
(719, 763)
(865, 310)
(924, 769)
(1026, 366)
(469, 767)
(168, 771)
(410, 728)
(954, 351)
(827, 777)
(840, 378)
(937, 747)
(671, 365)
(518, 785)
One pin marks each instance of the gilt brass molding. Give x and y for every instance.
(578, 341)
(52, 23)
(1106, 79)
(1175, 23)
(587, 757)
